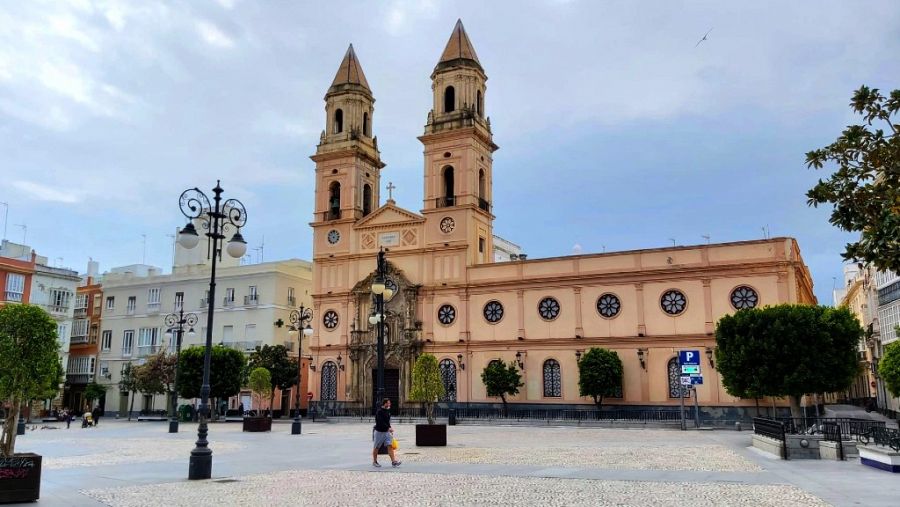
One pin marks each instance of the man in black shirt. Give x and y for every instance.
(384, 433)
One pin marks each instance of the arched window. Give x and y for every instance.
(448, 378)
(448, 186)
(367, 199)
(674, 371)
(479, 104)
(449, 99)
(338, 121)
(329, 382)
(365, 124)
(334, 201)
(552, 379)
(482, 185)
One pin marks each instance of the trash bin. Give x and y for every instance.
(184, 413)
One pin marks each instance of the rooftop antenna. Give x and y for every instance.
(673, 241)
(706, 237)
(261, 250)
(765, 231)
(5, 217)
(24, 232)
(603, 247)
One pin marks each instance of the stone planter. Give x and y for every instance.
(431, 435)
(20, 478)
(882, 458)
(255, 424)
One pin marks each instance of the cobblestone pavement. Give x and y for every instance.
(361, 488)
(130, 451)
(709, 458)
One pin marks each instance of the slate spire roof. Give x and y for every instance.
(459, 47)
(350, 71)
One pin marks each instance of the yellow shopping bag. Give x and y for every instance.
(395, 444)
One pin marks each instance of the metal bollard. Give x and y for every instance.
(451, 417)
(737, 426)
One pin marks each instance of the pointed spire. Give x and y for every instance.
(350, 71)
(459, 47)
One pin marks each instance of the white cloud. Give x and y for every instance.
(402, 13)
(43, 192)
(213, 36)
(227, 4)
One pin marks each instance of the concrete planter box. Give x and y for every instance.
(431, 435)
(882, 458)
(20, 478)
(829, 450)
(767, 444)
(803, 446)
(257, 424)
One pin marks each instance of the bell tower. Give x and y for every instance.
(458, 153)
(348, 163)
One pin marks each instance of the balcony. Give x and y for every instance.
(81, 312)
(14, 297)
(292, 301)
(484, 205)
(251, 300)
(149, 350)
(79, 378)
(79, 340)
(445, 202)
(333, 214)
(153, 308)
(227, 302)
(129, 310)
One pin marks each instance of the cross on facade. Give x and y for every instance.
(390, 188)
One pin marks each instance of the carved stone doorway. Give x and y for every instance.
(391, 387)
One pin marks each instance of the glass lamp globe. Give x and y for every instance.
(188, 237)
(191, 333)
(237, 247)
(168, 333)
(378, 286)
(308, 330)
(388, 293)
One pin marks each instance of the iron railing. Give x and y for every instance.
(887, 437)
(773, 429)
(483, 204)
(816, 425)
(510, 414)
(831, 432)
(445, 202)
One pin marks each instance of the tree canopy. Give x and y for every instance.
(501, 380)
(599, 374)
(157, 375)
(282, 369)
(226, 368)
(787, 350)
(29, 363)
(865, 189)
(260, 382)
(427, 386)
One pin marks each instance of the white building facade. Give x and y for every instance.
(887, 283)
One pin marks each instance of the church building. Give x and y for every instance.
(451, 299)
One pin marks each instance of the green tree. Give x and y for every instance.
(29, 363)
(274, 358)
(599, 374)
(427, 386)
(93, 391)
(787, 350)
(865, 189)
(225, 371)
(129, 384)
(501, 380)
(157, 374)
(260, 382)
(889, 366)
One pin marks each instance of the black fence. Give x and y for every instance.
(511, 414)
(880, 436)
(816, 425)
(772, 428)
(831, 432)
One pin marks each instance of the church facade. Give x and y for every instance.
(452, 300)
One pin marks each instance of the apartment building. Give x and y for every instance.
(16, 272)
(85, 340)
(250, 303)
(887, 283)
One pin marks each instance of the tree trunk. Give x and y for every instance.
(757, 405)
(131, 407)
(10, 425)
(503, 399)
(429, 412)
(796, 412)
(598, 400)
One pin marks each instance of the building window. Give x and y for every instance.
(153, 295)
(110, 303)
(329, 381)
(449, 193)
(548, 308)
(552, 379)
(292, 301)
(493, 311)
(229, 296)
(449, 99)
(446, 314)
(673, 302)
(744, 297)
(148, 341)
(330, 319)
(448, 378)
(59, 300)
(62, 332)
(131, 305)
(179, 301)
(367, 199)
(334, 201)
(479, 103)
(254, 294)
(608, 305)
(127, 343)
(81, 302)
(338, 121)
(15, 287)
(365, 124)
(227, 334)
(106, 341)
(675, 389)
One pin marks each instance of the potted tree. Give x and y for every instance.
(29, 364)
(428, 389)
(261, 384)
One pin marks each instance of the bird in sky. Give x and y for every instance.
(704, 38)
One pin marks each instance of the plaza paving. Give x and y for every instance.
(138, 464)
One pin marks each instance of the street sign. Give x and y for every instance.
(689, 357)
(686, 380)
(688, 369)
(696, 380)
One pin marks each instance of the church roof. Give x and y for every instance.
(459, 47)
(350, 71)
(389, 214)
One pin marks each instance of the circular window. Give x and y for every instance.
(330, 319)
(744, 297)
(548, 308)
(334, 236)
(493, 311)
(673, 302)
(446, 314)
(447, 225)
(608, 305)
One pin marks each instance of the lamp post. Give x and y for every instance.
(380, 292)
(216, 219)
(297, 318)
(175, 327)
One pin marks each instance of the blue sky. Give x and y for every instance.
(616, 132)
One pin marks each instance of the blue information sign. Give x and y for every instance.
(689, 357)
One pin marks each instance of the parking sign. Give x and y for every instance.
(689, 357)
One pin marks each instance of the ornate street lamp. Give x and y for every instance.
(175, 323)
(297, 318)
(380, 292)
(216, 219)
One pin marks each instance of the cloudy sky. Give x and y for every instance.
(616, 132)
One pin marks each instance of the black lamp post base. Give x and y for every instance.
(296, 427)
(200, 466)
(173, 426)
(20, 428)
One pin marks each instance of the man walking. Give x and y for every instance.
(96, 414)
(384, 433)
